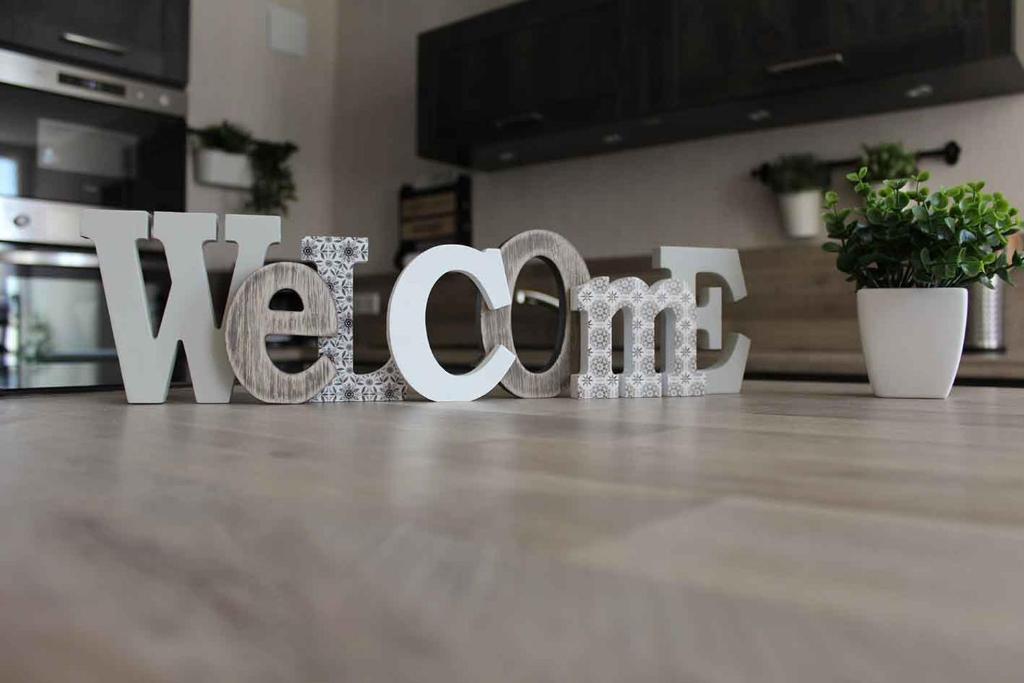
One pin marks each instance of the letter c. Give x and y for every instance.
(407, 322)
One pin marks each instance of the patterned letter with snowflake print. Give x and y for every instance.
(335, 258)
(597, 301)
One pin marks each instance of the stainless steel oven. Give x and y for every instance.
(73, 138)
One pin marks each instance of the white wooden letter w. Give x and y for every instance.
(147, 359)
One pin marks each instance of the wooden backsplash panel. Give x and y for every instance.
(796, 301)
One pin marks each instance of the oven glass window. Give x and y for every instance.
(8, 177)
(56, 147)
(54, 325)
(74, 148)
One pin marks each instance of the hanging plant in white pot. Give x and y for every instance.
(798, 182)
(227, 155)
(887, 160)
(911, 252)
(222, 156)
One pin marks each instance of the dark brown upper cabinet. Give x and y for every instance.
(551, 79)
(146, 39)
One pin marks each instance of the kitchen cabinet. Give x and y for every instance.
(552, 79)
(146, 39)
(528, 70)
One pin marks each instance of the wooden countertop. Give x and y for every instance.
(773, 363)
(795, 532)
(979, 367)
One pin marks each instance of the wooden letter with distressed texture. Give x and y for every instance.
(249, 320)
(496, 324)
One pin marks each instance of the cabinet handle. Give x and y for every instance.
(95, 43)
(805, 63)
(528, 118)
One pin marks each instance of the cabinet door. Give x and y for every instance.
(688, 53)
(142, 38)
(747, 48)
(489, 85)
(712, 54)
(889, 38)
(788, 45)
(650, 61)
(581, 65)
(783, 46)
(547, 67)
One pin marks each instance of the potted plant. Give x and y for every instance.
(222, 156)
(228, 156)
(887, 160)
(798, 182)
(910, 253)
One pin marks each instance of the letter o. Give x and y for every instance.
(496, 324)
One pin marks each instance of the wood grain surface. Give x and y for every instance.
(496, 324)
(250, 319)
(791, 533)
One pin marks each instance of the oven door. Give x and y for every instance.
(54, 326)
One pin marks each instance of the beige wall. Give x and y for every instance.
(234, 75)
(375, 126)
(697, 193)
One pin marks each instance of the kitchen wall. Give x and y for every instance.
(700, 193)
(695, 193)
(234, 75)
(375, 125)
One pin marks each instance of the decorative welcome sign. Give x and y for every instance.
(218, 355)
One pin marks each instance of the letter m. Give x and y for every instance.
(147, 359)
(597, 301)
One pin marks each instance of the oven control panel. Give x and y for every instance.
(42, 74)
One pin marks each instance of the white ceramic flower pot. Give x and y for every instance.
(912, 339)
(801, 213)
(216, 167)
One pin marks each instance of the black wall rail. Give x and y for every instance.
(950, 153)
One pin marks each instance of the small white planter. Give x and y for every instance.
(912, 339)
(801, 213)
(216, 167)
